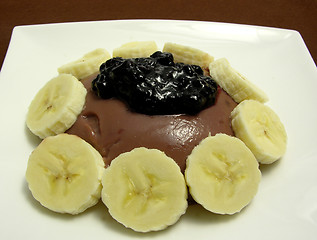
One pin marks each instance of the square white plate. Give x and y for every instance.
(276, 60)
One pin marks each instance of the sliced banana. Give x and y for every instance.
(188, 55)
(144, 190)
(87, 65)
(64, 174)
(234, 83)
(56, 106)
(222, 174)
(260, 128)
(135, 49)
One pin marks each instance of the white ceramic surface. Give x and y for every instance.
(277, 60)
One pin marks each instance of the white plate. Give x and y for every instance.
(276, 60)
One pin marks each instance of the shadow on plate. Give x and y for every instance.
(267, 168)
(43, 210)
(99, 211)
(112, 225)
(198, 215)
(32, 139)
(195, 215)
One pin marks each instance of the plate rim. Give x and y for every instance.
(18, 27)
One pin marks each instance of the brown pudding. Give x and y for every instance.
(112, 128)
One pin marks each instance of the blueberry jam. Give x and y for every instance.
(156, 85)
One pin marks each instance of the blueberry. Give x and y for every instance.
(156, 85)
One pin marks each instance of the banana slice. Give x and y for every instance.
(56, 106)
(135, 49)
(64, 174)
(234, 83)
(222, 174)
(188, 55)
(144, 190)
(260, 128)
(87, 65)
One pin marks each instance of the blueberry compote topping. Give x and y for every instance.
(156, 85)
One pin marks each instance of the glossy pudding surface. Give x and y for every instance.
(112, 128)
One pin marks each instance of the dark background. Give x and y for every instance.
(300, 15)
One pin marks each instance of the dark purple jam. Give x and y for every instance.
(156, 85)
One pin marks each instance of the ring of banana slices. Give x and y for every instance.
(144, 189)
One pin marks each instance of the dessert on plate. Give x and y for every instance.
(138, 129)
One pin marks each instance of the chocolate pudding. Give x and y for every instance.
(112, 128)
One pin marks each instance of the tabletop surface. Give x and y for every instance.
(299, 15)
